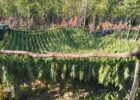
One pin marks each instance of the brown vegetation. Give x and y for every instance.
(75, 21)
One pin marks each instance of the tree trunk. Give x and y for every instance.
(85, 12)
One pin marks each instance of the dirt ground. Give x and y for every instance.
(65, 91)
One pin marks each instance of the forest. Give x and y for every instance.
(70, 49)
(25, 12)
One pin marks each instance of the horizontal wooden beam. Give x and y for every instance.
(69, 55)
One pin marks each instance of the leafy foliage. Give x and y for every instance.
(23, 69)
(66, 40)
(103, 9)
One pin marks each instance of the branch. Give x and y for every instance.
(69, 55)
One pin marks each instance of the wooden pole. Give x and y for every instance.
(136, 79)
(128, 32)
(137, 38)
(69, 55)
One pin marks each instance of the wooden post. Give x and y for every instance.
(128, 32)
(136, 79)
(137, 38)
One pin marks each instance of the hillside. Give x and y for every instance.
(64, 40)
